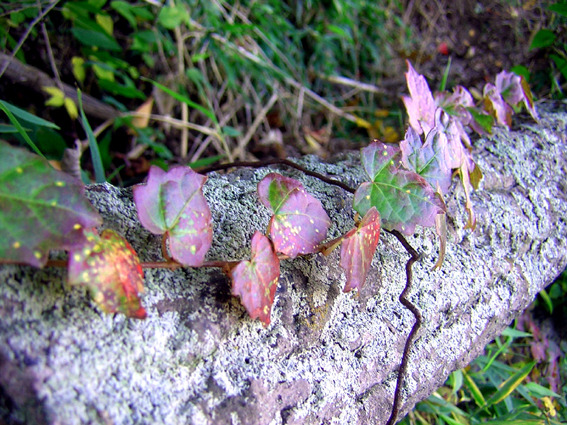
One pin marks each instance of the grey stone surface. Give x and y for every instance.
(327, 357)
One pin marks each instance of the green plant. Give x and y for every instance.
(405, 188)
(553, 42)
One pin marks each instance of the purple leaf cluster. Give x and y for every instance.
(442, 119)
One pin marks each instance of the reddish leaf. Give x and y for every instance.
(173, 203)
(40, 208)
(403, 198)
(111, 270)
(419, 104)
(255, 281)
(358, 248)
(299, 222)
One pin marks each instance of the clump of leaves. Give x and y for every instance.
(443, 119)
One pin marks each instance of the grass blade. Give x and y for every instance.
(443, 84)
(20, 129)
(93, 145)
(473, 388)
(208, 113)
(26, 116)
(510, 384)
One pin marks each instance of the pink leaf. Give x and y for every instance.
(514, 89)
(255, 281)
(111, 270)
(358, 248)
(173, 203)
(419, 104)
(299, 222)
(496, 106)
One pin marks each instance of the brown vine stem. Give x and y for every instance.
(418, 320)
(277, 161)
(414, 256)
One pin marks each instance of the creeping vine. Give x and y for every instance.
(405, 187)
(414, 256)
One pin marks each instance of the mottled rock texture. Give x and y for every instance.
(327, 357)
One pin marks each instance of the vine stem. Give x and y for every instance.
(417, 324)
(278, 161)
(414, 256)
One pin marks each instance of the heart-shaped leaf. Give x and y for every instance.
(255, 281)
(427, 159)
(420, 104)
(173, 204)
(111, 270)
(40, 208)
(358, 248)
(299, 222)
(403, 198)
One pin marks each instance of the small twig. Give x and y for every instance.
(344, 81)
(51, 57)
(239, 152)
(26, 34)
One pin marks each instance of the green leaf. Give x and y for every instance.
(125, 10)
(40, 208)
(231, 131)
(560, 8)
(543, 38)
(561, 64)
(171, 17)
(508, 386)
(514, 333)
(94, 38)
(539, 390)
(485, 121)
(26, 116)
(93, 145)
(403, 198)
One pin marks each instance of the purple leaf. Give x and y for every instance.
(514, 89)
(109, 267)
(358, 248)
(40, 208)
(419, 104)
(428, 159)
(496, 106)
(255, 281)
(403, 198)
(299, 222)
(173, 204)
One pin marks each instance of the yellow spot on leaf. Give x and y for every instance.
(19, 170)
(59, 183)
(193, 249)
(16, 245)
(37, 254)
(77, 257)
(77, 226)
(85, 276)
(99, 297)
